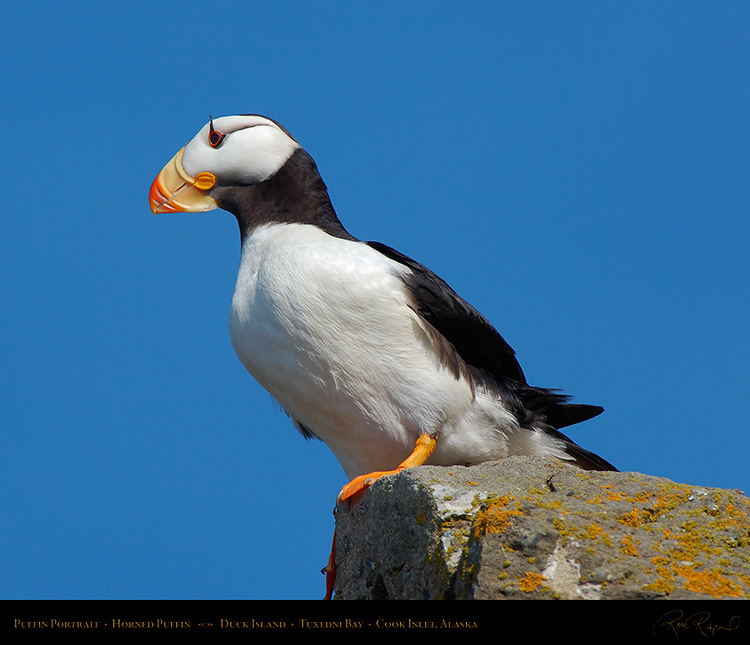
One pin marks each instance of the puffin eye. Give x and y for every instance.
(215, 138)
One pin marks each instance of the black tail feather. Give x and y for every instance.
(557, 413)
(568, 414)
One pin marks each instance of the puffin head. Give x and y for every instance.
(229, 151)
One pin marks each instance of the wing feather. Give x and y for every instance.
(480, 348)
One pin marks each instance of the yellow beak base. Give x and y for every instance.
(174, 191)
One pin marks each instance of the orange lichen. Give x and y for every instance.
(709, 582)
(591, 531)
(597, 532)
(700, 540)
(530, 581)
(628, 545)
(651, 504)
(496, 517)
(631, 518)
(735, 519)
(692, 541)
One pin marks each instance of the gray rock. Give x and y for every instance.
(529, 527)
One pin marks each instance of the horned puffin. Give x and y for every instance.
(364, 348)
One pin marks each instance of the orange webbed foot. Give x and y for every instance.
(423, 448)
(362, 482)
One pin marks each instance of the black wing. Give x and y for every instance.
(475, 339)
(481, 348)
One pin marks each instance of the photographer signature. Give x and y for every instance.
(676, 622)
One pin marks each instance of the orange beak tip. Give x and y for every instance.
(174, 191)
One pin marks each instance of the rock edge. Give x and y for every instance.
(535, 528)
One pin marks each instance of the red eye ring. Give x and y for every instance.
(215, 138)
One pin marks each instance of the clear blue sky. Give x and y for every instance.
(577, 171)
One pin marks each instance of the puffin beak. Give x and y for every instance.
(174, 191)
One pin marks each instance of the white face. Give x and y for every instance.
(253, 148)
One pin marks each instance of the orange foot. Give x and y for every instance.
(424, 447)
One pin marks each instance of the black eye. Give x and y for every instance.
(215, 138)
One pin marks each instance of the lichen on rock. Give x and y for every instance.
(532, 527)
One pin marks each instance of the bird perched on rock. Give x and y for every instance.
(364, 348)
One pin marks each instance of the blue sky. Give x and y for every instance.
(577, 171)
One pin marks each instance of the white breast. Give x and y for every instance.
(324, 325)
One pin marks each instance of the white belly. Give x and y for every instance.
(323, 324)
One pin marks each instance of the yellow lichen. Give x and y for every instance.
(697, 540)
(692, 541)
(660, 586)
(596, 532)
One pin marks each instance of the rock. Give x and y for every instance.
(532, 527)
